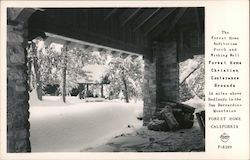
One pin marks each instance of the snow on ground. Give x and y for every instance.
(140, 139)
(144, 140)
(197, 103)
(77, 125)
(107, 126)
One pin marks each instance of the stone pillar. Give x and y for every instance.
(149, 89)
(167, 73)
(17, 87)
(161, 78)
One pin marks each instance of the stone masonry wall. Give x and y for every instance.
(149, 91)
(167, 73)
(17, 87)
(161, 79)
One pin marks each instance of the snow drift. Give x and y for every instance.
(77, 125)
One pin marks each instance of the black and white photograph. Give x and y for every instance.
(118, 79)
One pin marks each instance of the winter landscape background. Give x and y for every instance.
(108, 118)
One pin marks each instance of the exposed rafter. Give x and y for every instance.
(128, 15)
(134, 57)
(149, 24)
(168, 24)
(49, 40)
(157, 19)
(61, 39)
(144, 17)
(198, 22)
(75, 45)
(124, 55)
(175, 21)
(115, 54)
(89, 48)
(104, 51)
(113, 11)
(101, 50)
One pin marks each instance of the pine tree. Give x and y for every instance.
(74, 61)
(193, 82)
(126, 76)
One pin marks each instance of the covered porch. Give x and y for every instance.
(164, 36)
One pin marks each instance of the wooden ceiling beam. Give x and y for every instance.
(157, 19)
(113, 11)
(175, 21)
(104, 51)
(124, 55)
(107, 48)
(115, 54)
(162, 27)
(168, 24)
(128, 15)
(198, 21)
(49, 40)
(134, 57)
(144, 17)
(101, 50)
(89, 48)
(73, 45)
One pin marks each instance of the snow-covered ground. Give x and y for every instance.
(144, 140)
(77, 125)
(110, 126)
(197, 103)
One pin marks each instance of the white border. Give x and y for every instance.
(211, 8)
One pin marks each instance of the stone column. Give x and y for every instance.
(167, 73)
(149, 88)
(17, 87)
(161, 78)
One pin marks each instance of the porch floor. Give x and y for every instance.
(144, 140)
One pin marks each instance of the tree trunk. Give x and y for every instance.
(125, 89)
(102, 91)
(30, 75)
(64, 74)
(198, 66)
(87, 88)
(64, 84)
(39, 86)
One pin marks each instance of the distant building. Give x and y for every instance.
(93, 85)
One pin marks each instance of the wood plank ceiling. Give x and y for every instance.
(127, 29)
